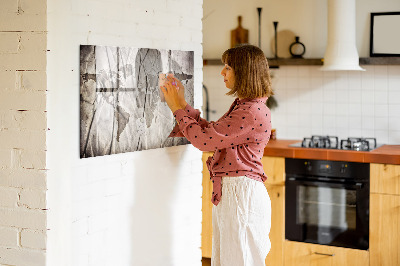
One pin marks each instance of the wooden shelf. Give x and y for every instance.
(273, 63)
(295, 62)
(380, 61)
(212, 62)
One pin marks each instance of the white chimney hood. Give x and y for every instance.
(341, 51)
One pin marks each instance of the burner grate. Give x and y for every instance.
(327, 142)
(332, 142)
(358, 144)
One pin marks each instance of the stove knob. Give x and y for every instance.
(343, 168)
(308, 166)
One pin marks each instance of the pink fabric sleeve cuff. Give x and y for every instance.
(190, 111)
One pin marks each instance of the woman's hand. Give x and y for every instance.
(173, 96)
(181, 91)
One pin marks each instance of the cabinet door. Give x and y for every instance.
(274, 168)
(384, 230)
(385, 178)
(277, 233)
(206, 232)
(304, 254)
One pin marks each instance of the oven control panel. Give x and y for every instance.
(338, 169)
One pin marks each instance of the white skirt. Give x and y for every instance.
(241, 223)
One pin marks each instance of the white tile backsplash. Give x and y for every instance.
(394, 97)
(394, 123)
(381, 122)
(382, 136)
(355, 109)
(381, 84)
(342, 109)
(342, 96)
(394, 82)
(329, 109)
(354, 80)
(291, 71)
(316, 82)
(381, 110)
(304, 82)
(353, 132)
(393, 71)
(343, 103)
(355, 122)
(381, 71)
(367, 96)
(367, 110)
(355, 96)
(381, 97)
(367, 84)
(342, 81)
(292, 82)
(304, 72)
(368, 123)
(342, 123)
(394, 137)
(394, 110)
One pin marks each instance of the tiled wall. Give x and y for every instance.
(313, 102)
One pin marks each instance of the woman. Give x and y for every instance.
(242, 208)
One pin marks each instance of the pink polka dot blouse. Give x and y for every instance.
(238, 139)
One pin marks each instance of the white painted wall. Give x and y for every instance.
(306, 19)
(344, 103)
(140, 208)
(23, 133)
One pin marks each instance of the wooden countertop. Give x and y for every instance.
(389, 154)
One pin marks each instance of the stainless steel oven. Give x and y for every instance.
(327, 202)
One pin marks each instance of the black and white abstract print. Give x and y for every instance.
(120, 104)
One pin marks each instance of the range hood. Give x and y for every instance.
(341, 51)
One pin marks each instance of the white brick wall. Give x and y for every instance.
(33, 239)
(8, 197)
(9, 237)
(23, 132)
(115, 210)
(140, 208)
(11, 256)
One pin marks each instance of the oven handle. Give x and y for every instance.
(357, 185)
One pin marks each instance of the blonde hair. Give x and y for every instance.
(250, 66)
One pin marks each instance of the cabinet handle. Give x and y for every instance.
(324, 254)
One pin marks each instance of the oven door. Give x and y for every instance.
(327, 213)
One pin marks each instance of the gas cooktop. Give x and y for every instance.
(332, 142)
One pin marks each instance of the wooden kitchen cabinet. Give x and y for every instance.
(206, 232)
(385, 215)
(305, 254)
(385, 178)
(384, 236)
(277, 233)
(274, 168)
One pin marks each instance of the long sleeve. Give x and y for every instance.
(231, 130)
(193, 113)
